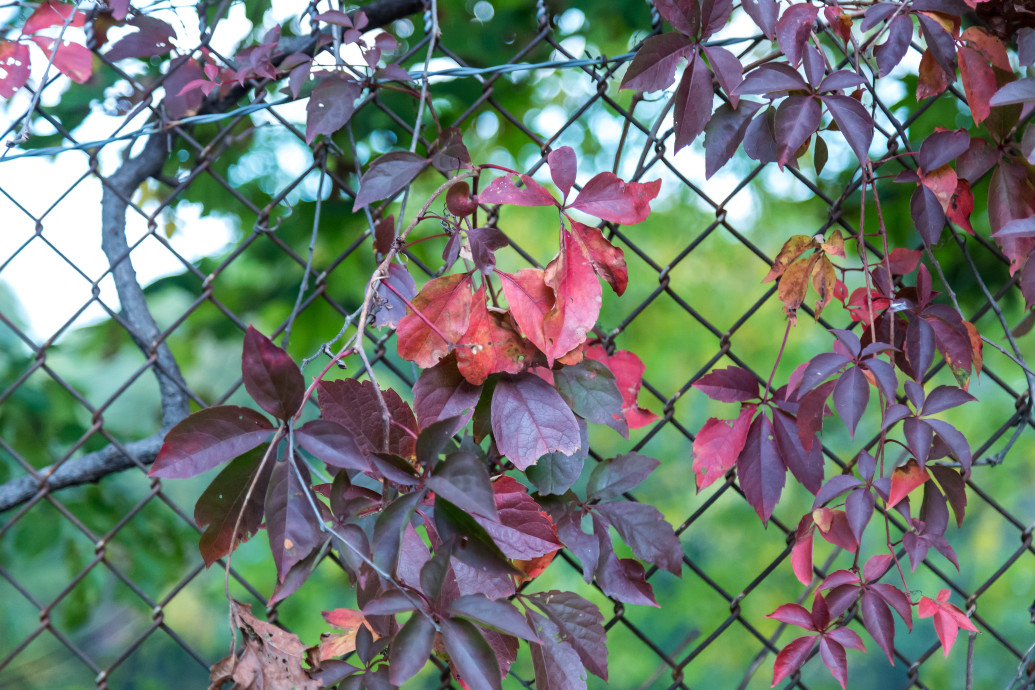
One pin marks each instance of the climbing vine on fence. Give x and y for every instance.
(445, 510)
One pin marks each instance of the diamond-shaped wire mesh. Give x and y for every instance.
(102, 584)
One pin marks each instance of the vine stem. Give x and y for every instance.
(779, 356)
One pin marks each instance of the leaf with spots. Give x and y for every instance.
(444, 306)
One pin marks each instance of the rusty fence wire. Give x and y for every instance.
(117, 595)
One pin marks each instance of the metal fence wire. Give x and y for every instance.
(102, 583)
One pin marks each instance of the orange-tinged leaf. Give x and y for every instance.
(530, 300)
(532, 568)
(904, 480)
(947, 21)
(792, 249)
(444, 302)
(835, 244)
(794, 283)
(491, 344)
(942, 181)
(578, 298)
(824, 280)
(976, 345)
(961, 206)
(988, 45)
(931, 77)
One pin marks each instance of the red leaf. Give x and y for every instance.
(530, 419)
(759, 469)
(271, 377)
(530, 300)
(50, 14)
(835, 659)
(904, 480)
(563, 165)
(577, 299)
(609, 198)
(792, 657)
(793, 614)
(607, 260)
(355, 406)
(628, 371)
(208, 438)
(978, 83)
(793, 29)
(879, 623)
(801, 552)
(71, 59)
(718, 444)
(731, 384)
(388, 175)
(491, 344)
(14, 62)
(502, 190)
(445, 302)
(931, 77)
(523, 531)
(904, 261)
(948, 619)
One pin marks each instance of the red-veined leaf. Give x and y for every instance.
(609, 198)
(718, 445)
(446, 303)
(208, 438)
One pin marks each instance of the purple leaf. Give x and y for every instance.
(764, 14)
(654, 67)
(557, 666)
(715, 14)
(851, 394)
(644, 529)
(759, 469)
(589, 388)
(793, 29)
(820, 368)
(954, 486)
(805, 465)
(791, 657)
(555, 473)
(563, 165)
(484, 241)
(884, 373)
(760, 137)
(896, 599)
(683, 15)
(330, 106)
(499, 615)
(732, 384)
(834, 487)
(919, 436)
(841, 79)
(727, 69)
(796, 120)
(502, 190)
(623, 579)
(586, 547)
(579, 624)
(271, 377)
(388, 175)
(463, 480)
(208, 438)
(451, 154)
(230, 503)
(724, 133)
(875, 14)
(614, 476)
(332, 443)
(693, 102)
(441, 392)
(292, 527)
(152, 38)
(943, 147)
(1020, 91)
(848, 339)
(530, 419)
(944, 398)
(859, 510)
(879, 623)
(394, 307)
(854, 122)
(891, 52)
(835, 659)
(411, 647)
(1017, 228)
(470, 654)
(355, 406)
(942, 47)
(812, 59)
(771, 78)
(609, 198)
(919, 347)
(793, 614)
(955, 440)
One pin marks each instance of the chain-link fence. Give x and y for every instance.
(102, 583)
